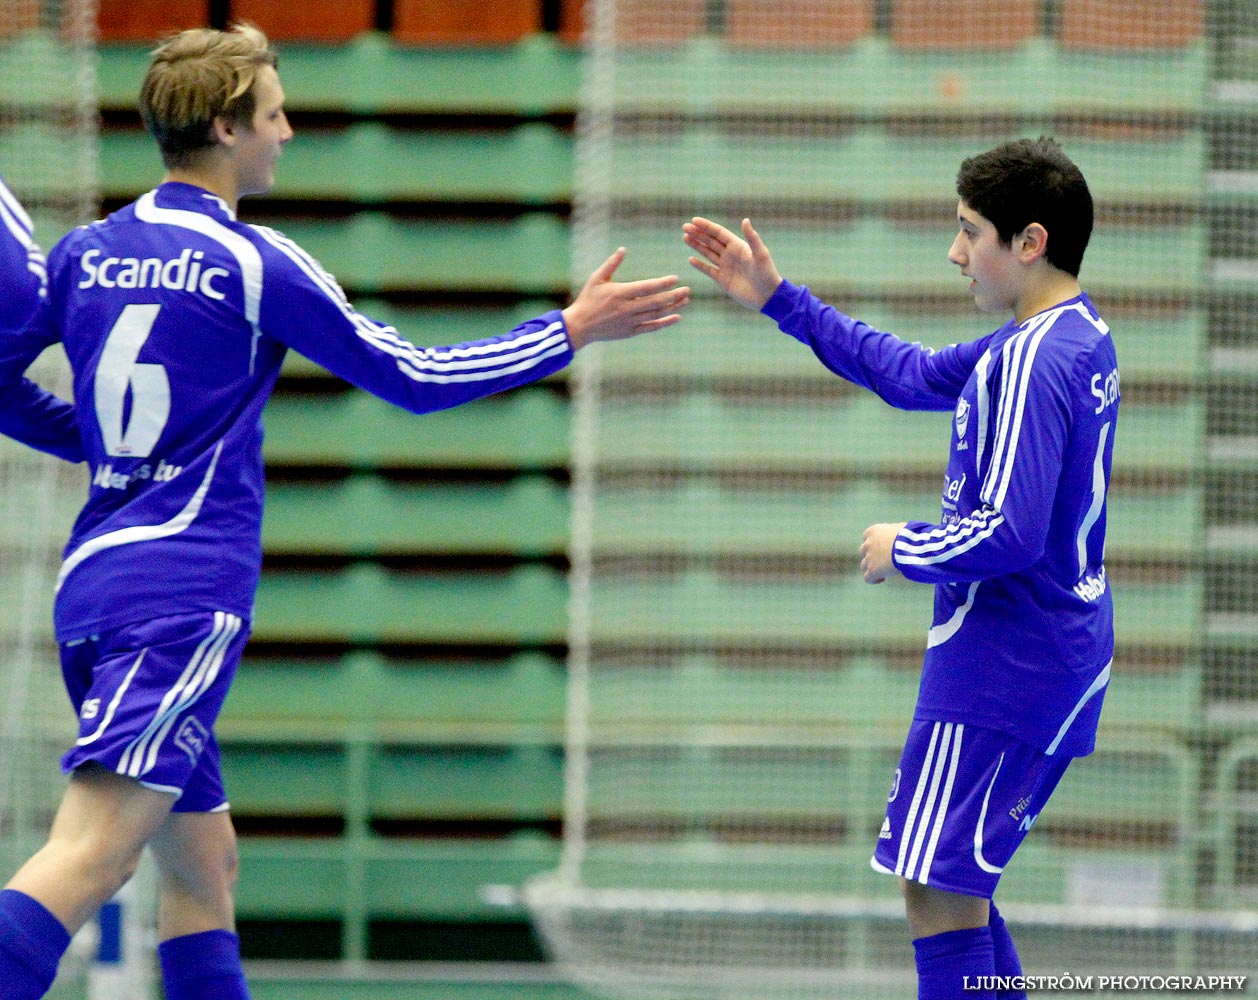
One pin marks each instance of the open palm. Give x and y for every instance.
(741, 266)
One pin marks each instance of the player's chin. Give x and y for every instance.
(988, 303)
(260, 185)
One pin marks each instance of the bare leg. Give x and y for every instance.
(934, 911)
(101, 827)
(196, 855)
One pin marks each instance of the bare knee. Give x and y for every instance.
(197, 866)
(934, 911)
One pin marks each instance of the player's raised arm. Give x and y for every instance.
(615, 310)
(741, 266)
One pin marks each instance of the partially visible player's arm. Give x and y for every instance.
(612, 310)
(28, 413)
(303, 307)
(875, 551)
(905, 375)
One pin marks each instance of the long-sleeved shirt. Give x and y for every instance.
(1022, 637)
(175, 318)
(27, 412)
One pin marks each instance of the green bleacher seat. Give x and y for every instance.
(788, 521)
(1160, 525)
(702, 517)
(30, 151)
(290, 878)
(374, 75)
(449, 879)
(373, 252)
(366, 162)
(129, 163)
(442, 781)
(707, 163)
(1170, 348)
(366, 604)
(271, 779)
(723, 863)
(1034, 78)
(824, 784)
(1143, 783)
(1165, 696)
(867, 77)
(778, 698)
(715, 340)
(518, 698)
(1165, 439)
(523, 429)
(1047, 873)
(1166, 613)
(365, 515)
(1160, 80)
(704, 607)
(711, 433)
(1144, 167)
(487, 782)
(20, 530)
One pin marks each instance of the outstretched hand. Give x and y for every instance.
(743, 267)
(614, 310)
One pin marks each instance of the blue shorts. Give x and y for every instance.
(962, 801)
(147, 696)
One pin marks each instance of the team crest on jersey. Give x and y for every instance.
(963, 416)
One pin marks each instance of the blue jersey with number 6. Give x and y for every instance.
(175, 317)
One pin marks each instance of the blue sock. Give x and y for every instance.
(32, 942)
(949, 965)
(1007, 961)
(203, 966)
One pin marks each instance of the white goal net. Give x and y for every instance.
(48, 155)
(738, 697)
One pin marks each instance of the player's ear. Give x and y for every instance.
(223, 131)
(1031, 243)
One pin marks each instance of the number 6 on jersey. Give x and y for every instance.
(150, 388)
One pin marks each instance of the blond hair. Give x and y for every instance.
(195, 77)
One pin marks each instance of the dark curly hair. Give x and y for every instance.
(1032, 180)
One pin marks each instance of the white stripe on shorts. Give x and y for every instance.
(924, 823)
(197, 678)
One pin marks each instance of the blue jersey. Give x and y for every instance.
(27, 412)
(176, 317)
(1022, 636)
